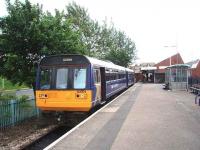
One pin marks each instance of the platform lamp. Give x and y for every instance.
(170, 60)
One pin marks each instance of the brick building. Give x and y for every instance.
(160, 72)
(195, 69)
(157, 71)
(194, 72)
(142, 70)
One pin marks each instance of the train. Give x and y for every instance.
(78, 83)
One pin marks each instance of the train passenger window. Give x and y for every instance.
(79, 78)
(45, 78)
(122, 76)
(108, 77)
(61, 78)
(131, 76)
(112, 76)
(116, 76)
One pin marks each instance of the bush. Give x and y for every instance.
(7, 97)
(7, 85)
(23, 98)
(12, 96)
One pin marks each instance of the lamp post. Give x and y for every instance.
(170, 62)
(170, 59)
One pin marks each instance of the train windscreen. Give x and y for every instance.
(45, 80)
(63, 78)
(79, 78)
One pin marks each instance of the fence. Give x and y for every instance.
(192, 81)
(15, 111)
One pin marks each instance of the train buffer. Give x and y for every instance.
(144, 117)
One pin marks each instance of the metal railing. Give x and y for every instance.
(15, 111)
(192, 81)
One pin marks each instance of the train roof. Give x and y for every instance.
(129, 70)
(101, 63)
(79, 59)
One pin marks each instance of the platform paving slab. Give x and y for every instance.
(161, 120)
(146, 117)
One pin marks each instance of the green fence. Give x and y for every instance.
(15, 111)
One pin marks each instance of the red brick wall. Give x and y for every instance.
(175, 59)
(196, 72)
(139, 77)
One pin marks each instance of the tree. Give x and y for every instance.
(29, 34)
(87, 28)
(116, 46)
(101, 41)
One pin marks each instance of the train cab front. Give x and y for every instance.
(63, 84)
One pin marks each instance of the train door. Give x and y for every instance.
(97, 82)
(103, 84)
(127, 79)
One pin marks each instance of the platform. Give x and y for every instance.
(145, 117)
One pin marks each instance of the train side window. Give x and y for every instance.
(116, 76)
(113, 76)
(124, 75)
(120, 76)
(130, 76)
(110, 76)
(107, 77)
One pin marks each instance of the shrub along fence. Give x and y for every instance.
(15, 111)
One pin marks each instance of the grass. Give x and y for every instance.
(8, 91)
(7, 85)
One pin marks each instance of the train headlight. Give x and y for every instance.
(43, 96)
(81, 95)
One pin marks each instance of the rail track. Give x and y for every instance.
(63, 128)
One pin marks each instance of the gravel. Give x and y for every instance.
(19, 136)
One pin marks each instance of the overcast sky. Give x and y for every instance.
(152, 24)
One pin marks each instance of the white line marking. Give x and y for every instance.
(81, 123)
(110, 109)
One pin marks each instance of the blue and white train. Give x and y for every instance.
(78, 83)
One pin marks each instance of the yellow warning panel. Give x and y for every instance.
(64, 100)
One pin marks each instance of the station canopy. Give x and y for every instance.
(178, 66)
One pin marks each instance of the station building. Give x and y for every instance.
(144, 72)
(162, 65)
(155, 73)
